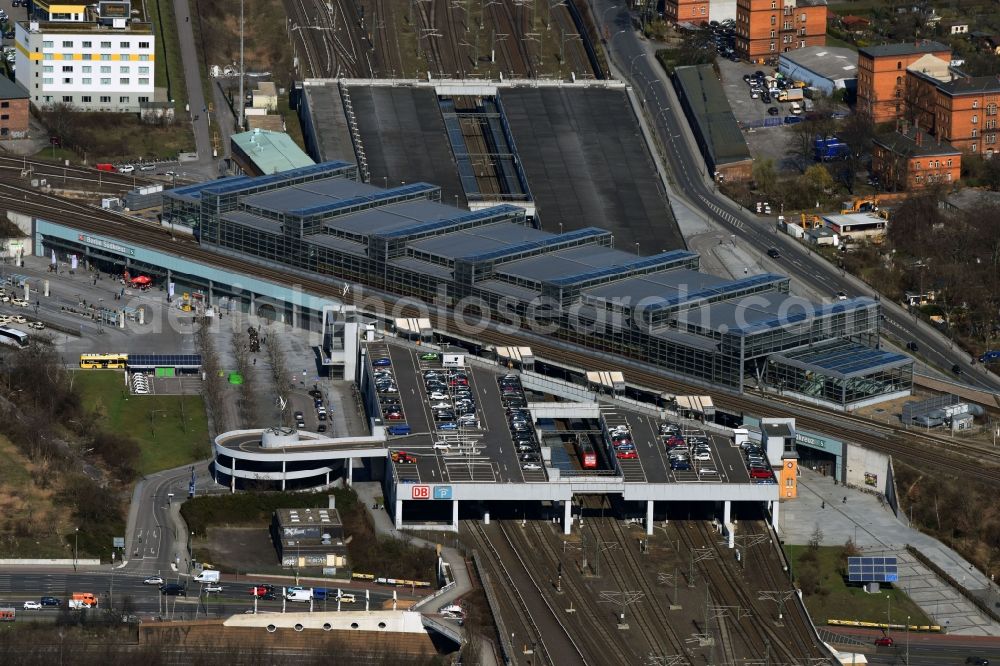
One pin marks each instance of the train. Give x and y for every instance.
(587, 454)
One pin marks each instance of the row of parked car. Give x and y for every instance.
(522, 431)
(140, 385)
(688, 450)
(757, 465)
(621, 441)
(452, 402)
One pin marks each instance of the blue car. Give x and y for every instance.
(382, 362)
(679, 465)
(450, 425)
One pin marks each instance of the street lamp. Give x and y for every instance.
(907, 640)
(76, 541)
(604, 16)
(888, 610)
(632, 62)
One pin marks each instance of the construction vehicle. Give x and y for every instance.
(860, 205)
(810, 221)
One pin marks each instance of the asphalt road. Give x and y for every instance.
(112, 587)
(687, 172)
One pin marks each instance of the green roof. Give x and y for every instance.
(271, 152)
(716, 124)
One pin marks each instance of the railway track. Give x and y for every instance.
(532, 609)
(649, 613)
(916, 449)
(387, 56)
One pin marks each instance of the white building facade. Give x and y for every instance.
(88, 66)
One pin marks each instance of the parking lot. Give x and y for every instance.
(765, 142)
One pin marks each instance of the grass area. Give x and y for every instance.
(52, 154)
(292, 125)
(30, 525)
(169, 65)
(367, 552)
(171, 430)
(828, 596)
(833, 41)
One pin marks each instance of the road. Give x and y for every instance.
(200, 118)
(112, 587)
(635, 60)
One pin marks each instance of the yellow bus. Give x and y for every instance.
(101, 361)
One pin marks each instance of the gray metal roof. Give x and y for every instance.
(508, 289)
(316, 192)
(385, 219)
(830, 62)
(11, 90)
(422, 267)
(714, 117)
(477, 240)
(843, 359)
(764, 311)
(565, 262)
(338, 243)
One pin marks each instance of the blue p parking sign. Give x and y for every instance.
(442, 492)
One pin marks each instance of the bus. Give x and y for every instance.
(103, 361)
(13, 337)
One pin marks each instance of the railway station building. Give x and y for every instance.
(574, 286)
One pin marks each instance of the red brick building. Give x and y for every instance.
(13, 110)
(692, 11)
(912, 159)
(882, 76)
(766, 28)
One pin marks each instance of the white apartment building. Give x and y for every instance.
(90, 66)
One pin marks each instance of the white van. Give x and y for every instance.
(796, 108)
(207, 576)
(346, 598)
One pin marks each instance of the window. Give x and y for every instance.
(143, 100)
(144, 70)
(85, 99)
(974, 147)
(975, 119)
(5, 116)
(975, 104)
(87, 81)
(975, 132)
(786, 25)
(774, 4)
(105, 99)
(949, 162)
(991, 138)
(86, 69)
(48, 44)
(67, 68)
(144, 58)
(917, 166)
(143, 45)
(106, 81)
(899, 80)
(47, 81)
(88, 45)
(772, 46)
(899, 65)
(919, 179)
(67, 79)
(991, 109)
(803, 18)
(991, 123)
(703, 11)
(125, 45)
(105, 69)
(124, 56)
(4, 105)
(67, 99)
(123, 81)
(123, 100)
(47, 69)
(774, 20)
(67, 43)
(88, 56)
(105, 56)
(772, 34)
(143, 82)
(948, 175)
(124, 70)
(105, 45)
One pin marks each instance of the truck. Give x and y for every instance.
(207, 576)
(827, 149)
(81, 600)
(791, 95)
(299, 594)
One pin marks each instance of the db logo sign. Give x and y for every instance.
(421, 492)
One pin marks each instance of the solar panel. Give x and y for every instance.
(872, 570)
(662, 259)
(553, 241)
(164, 361)
(433, 225)
(291, 174)
(733, 287)
(818, 310)
(407, 190)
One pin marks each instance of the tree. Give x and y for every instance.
(764, 175)
(857, 134)
(815, 183)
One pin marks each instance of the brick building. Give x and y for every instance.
(692, 11)
(13, 110)
(912, 159)
(765, 28)
(967, 113)
(882, 72)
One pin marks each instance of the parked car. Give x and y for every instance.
(32, 605)
(50, 601)
(126, 168)
(885, 641)
(153, 580)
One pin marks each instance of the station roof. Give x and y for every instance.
(480, 240)
(307, 194)
(558, 265)
(250, 220)
(393, 218)
(765, 311)
(843, 359)
(676, 287)
(270, 152)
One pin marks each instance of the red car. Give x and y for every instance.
(760, 473)
(394, 416)
(627, 455)
(885, 641)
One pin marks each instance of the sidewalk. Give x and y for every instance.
(877, 531)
